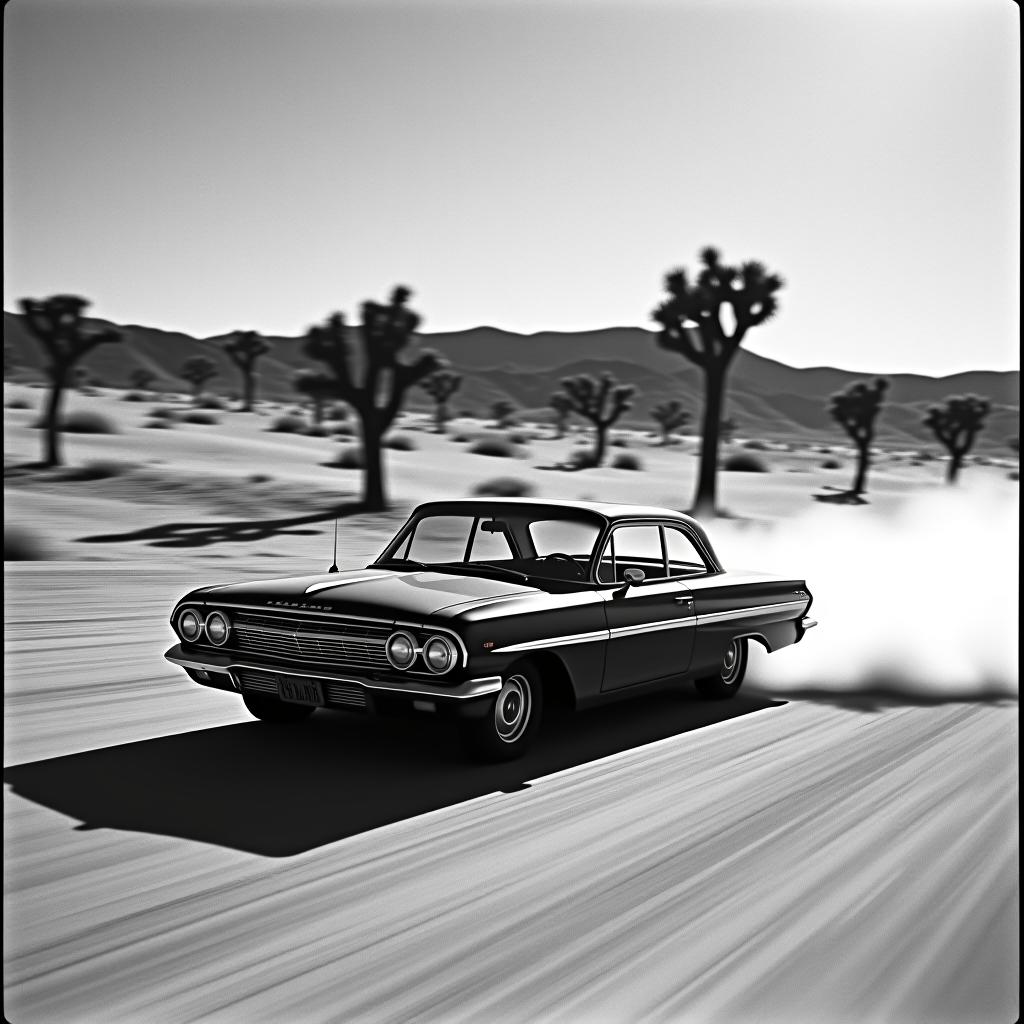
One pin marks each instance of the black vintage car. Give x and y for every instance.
(488, 609)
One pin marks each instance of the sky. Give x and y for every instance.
(214, 165)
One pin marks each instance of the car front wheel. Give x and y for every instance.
(729, 676)
(270, 709)
(511, 720)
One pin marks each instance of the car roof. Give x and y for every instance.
(610, 510)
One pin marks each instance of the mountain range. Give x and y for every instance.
(766, 398)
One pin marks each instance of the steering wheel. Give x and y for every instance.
(560, 556)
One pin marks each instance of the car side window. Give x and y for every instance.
(683, 557)
(632, 547)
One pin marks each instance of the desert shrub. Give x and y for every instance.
(97, 469)
(520, 437)
(1013, 475)
(18, 403)
(400, 443)
(349, 458)
(259, 478)
(627, 460)
(504, 487)
(338, 411)
(583, 459)
(498, 447)
(86, 422)
(824, 450)
(162, 412)
(619, 442)
(211, 402)
(831, 464)
(316, 430)
(343, 430)
(463, 438)
(756, 446)
(294, 411)
(134, 396)
(743, 463)
(21, 545)
(924, 456)
(88, 390)
(159, 424)
(204, 419)
(288, 425)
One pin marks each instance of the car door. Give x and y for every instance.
(651, 624)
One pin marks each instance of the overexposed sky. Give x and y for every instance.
(209, 165)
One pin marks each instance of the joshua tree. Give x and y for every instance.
(245, 348)
(142, 379)
(956, 424)
(670, 416)
(441, 386)
(318, 388)
(56, 323)
(600, 401)
(562, 405)
(197, 370)
(503, 411)
(855, 410)
(692, 325)
(377, 399)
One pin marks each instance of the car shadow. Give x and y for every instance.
(278, 791)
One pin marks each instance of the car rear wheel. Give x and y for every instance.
(730, 674)
(270, 709)
(511, 720)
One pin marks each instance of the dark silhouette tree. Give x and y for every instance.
(600, 401)
(692, 324)
(377, 396)
(562, 405)
(441, 386)
(142, 379)
(245, 349)
(56, 323)
(856, 410)
(503, 412)
(670, 416)
(197, 370)
(956, 424)
(318, 388)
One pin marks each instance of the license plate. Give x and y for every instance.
(300, 691)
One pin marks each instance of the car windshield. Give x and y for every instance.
(546, 543)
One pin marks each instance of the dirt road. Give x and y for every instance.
(168, 859)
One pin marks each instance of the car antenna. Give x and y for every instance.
(334, 564)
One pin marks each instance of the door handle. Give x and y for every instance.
(682, 599)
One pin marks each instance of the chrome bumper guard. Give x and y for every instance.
(808, 622)
(227, 663)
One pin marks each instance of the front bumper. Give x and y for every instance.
(233, 665)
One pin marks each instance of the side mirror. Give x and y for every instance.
(631, 577)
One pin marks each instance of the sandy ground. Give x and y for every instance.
(833, 856)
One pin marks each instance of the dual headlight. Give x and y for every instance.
(438, 653)
(217, 627)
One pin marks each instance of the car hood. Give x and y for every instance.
(374, 593)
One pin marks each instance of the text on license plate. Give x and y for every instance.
(300, 691)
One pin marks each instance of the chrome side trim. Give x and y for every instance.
(744, 613)
(557, 641)
(808, 622)
(654, 627)
(470, 688)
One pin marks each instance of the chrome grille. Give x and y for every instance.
(352, 644)
(257, 682)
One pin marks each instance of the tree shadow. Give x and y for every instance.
(278, 791)
(841, 498)
(241, 531)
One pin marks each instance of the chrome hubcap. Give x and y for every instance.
(512, 709)
(731, 662)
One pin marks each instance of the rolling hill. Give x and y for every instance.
(767, 398)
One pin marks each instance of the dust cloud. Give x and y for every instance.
(920, 600)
